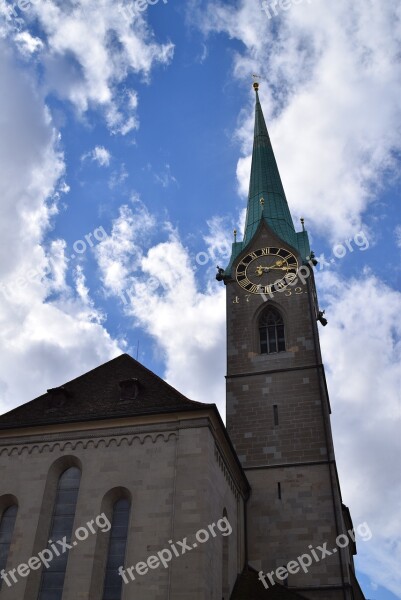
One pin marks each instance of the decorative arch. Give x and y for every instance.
(7, 500)
(61, 464)
(271, 331)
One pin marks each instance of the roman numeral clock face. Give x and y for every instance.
(266, 270)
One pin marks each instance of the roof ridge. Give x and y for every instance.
(116, 358)
(96, 395)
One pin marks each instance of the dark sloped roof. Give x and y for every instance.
(97, 395)
(248, 587)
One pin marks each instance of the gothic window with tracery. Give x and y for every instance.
(271, 332)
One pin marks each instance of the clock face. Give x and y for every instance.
(266, 270)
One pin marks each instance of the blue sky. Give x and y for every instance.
(135, 135)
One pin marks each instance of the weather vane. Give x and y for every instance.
(256, 79)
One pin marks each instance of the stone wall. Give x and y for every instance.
(180, 478)
(278, 417)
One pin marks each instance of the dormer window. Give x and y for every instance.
(271, 332)
(58, 397)
(129, 389)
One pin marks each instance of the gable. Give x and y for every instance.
(121, 387)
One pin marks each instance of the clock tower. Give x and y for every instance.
(278, 409)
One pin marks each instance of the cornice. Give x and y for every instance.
(85, 440)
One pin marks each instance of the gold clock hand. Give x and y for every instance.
(277, 267)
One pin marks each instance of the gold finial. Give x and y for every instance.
(235, 236)
(303, 223)
(256, 83)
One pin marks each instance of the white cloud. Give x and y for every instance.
(28, 44)
(118, 177)
(100, 155)
(49, 331)
(31, 165)
(165, 177)
(187, 325)
(58, 265)
(331, 99)
(120, 253)
(49, 326)
(132, 99)
(87, 50)
(218, 241)
(362, 352)
(158, 288)
(81, 288)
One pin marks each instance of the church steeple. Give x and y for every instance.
(266, 183)
(266, 199)
(278, 409)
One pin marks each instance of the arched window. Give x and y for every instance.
(52, 582)
(116, 551)
(6, 533)
(225, 578)
(271, 332)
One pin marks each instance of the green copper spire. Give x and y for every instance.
(266, 183)
(266, 200)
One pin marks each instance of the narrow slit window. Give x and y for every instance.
(271, 332)
(279, 490)
(225, 562)
(275, 414)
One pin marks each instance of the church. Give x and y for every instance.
(115, 486)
